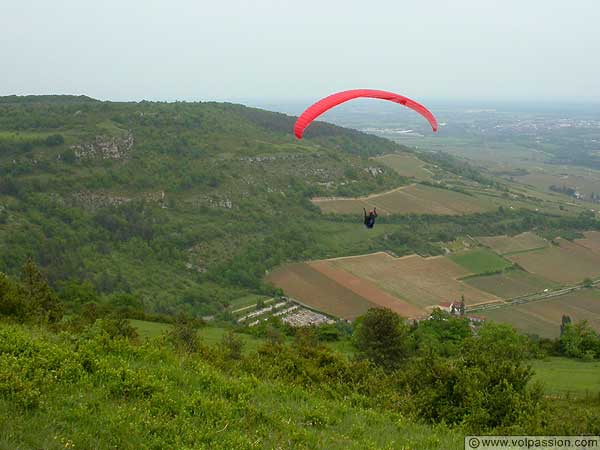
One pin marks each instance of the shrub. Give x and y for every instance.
(382, 337)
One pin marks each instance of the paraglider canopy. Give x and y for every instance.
(325, 104)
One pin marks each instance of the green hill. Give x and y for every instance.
(187, 206)
(100, 393)
(178, 200)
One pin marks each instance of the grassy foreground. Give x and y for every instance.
(92, 392)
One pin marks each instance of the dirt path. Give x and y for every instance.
(360, 199)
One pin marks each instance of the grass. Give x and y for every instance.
(150, 397)
(246, 300)
(563, 376)
(209, 335)
(148, 329)
(480, 260)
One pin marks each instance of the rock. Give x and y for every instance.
(105, 147)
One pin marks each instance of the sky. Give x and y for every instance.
(280, 50)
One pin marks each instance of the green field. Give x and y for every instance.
(510, 283)
(562, 376)
(148, 329)
(209, 335)
(245, 301)
(480, 260)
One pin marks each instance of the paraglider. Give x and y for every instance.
(325, 104)
(370, 218)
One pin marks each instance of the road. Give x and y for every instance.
(530, 298)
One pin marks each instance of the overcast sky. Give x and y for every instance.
(279, 50)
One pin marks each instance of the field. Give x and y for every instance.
(423, 282)
(480, 260)
(149, 329)
(544, 317)
(248, 301)
(406, 165)
(415, 199)
(511, 283)
(513, 244)
(366, 289)
(209, 335)
(591, 241)
(562, 376)
(315, 289)
(348, 287)
(566, 263)
(542, 176)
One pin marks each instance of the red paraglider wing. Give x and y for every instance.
(325, 104)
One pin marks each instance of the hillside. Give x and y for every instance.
(187, 206)
(186, 200)
(105, 394)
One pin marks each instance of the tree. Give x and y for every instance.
(442, 334)
(42, 303)
(233, 345)
(11, 299)
(566, 320)
(487, 387)
(579, 340)
(382, 337)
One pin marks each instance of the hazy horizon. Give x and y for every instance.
(282, 51)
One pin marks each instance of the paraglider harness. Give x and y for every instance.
(370, 219)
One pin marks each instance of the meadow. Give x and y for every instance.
(480, 260)
(568, 377)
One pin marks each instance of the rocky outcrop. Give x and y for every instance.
(374, 171)
(104, 147)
